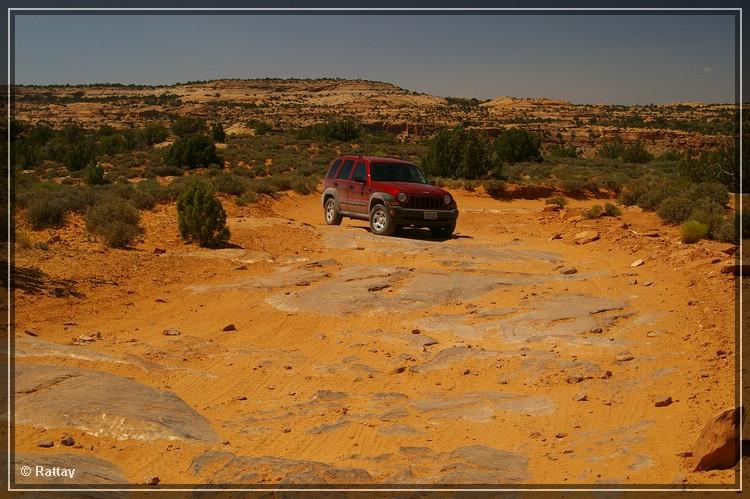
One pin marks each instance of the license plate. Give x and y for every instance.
(430, 215)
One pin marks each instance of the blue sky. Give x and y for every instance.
(625, 59)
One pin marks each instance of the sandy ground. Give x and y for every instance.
(388, 360)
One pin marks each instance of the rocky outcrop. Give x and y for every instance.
(101, 403)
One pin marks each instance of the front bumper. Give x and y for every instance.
(411, 216)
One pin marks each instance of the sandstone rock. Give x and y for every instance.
(229, 327)
(637, 263)
(172, 332)
(718, 446)
(624, 357)
(103, 404)
(580, 397)
(586, 237)
(45, 443)
(650, 233)
(662, 401)
(550, 208)
(68, 441)
(154, 480)
(568, 270)
(554, 236)
(31, 332)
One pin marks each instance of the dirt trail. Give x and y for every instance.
(361, 359)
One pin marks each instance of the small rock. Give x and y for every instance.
(647, 283)
(561, 435)
(503, 381)
(416, 331)
(225, 442)
(717, 446)
(650, 233)
(154, 480)
(663, 401)
(159, 251)
(652, 334)
(574, 379)
(568, 270)
(550, 207)
(686, 453)
(45, 443)
(632, 282)
(240, 397)
(637, 263)
(68, 441)
(286, 429)
(624, 357)
(586, 237)
(554, 236)
(596, 330)
(31, 332)
(161, 300)
(172, 332)
(302, 283)
(241, 267)
(607, 402)
(731, 250)
(229, 327)
(580, 397)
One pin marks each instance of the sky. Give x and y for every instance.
(616, 59)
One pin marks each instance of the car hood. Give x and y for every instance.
(413, 189)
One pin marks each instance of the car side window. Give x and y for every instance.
(333, 169)
(360, 172)
(346, 170)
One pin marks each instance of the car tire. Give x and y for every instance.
(331, 214)
(443, 231)
(381, 222)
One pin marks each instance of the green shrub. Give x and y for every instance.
(675, 209)
(693, 231)
(558, 200)
(154, 133)
(45, 212)
(187, 126)
(564, 152)
(594, 212)
(342, 130)
(191, 151)
(514, 145)
(612, 149)
(260, 127)
(720, 165)
(247, 198)
(636, 153)
(495, 188)
(217, 132)
(304, 185)
(114, 220)
(611, 210)
(201, 217)
(459, 153)
(229, 184)
(78, 156)
(93, 174)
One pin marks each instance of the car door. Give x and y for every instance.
(358, 188)
(342, 185)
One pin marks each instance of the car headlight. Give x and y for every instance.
(447, 199)
(401, 197)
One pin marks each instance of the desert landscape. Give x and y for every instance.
(549, 341)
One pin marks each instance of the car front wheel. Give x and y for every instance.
(443, 231)
(332, 215)
(381, 222)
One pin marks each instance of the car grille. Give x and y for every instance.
(426, 203)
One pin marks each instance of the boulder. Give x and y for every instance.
(104, 404)
(718, 446)
(586, 237)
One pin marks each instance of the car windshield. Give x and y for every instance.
(396, 172)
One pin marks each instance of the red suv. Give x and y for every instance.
(388, 192)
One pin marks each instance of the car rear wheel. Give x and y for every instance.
(332, 215)
(381, 222)
(443, 231)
